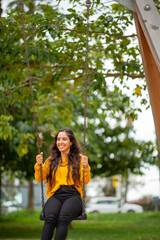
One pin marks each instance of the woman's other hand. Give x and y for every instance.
(84, 160)
(39, 159)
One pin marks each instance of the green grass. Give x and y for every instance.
(130, 226)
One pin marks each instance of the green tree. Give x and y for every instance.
(56, 43)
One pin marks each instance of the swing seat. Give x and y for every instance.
(83, 216)
(42, 216)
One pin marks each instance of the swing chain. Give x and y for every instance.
(21, 7)
(88, 4)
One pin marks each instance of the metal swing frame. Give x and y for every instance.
(83, 215)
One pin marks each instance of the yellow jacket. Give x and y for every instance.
(61, 176)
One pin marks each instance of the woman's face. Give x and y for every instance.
(63, 142)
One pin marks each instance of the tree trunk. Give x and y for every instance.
(126, 188)
(30, 196)
(1, 8)
(31, 8)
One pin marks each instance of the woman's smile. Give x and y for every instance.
(63, 143)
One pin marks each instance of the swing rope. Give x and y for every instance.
(88, 5)
(21, 7)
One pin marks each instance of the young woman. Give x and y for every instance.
(63, 171)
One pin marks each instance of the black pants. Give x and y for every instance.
(60, 210)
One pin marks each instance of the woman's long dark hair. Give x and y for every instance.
(73, 157)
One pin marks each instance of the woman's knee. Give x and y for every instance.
(51, 218)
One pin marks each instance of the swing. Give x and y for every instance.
(83, 215)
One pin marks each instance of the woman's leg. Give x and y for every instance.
(51, 210)
(70, 209)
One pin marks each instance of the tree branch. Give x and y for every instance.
(133, 76)
(80, 32)
(99, 32)
(25, 83)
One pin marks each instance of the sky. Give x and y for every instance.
(145, 130)
(144, 126)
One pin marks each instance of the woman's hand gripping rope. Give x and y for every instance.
(39, 159)
(84, 160)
